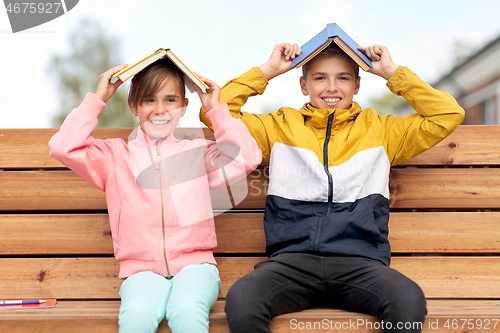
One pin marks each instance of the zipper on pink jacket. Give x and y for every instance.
(160, 169)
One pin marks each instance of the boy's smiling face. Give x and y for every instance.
(330, 83)
(160, 113)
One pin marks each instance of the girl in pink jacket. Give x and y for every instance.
(158, 194)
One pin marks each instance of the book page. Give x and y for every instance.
(351, 53)
(312, 55)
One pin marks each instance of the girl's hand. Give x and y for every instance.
(106, 89)
(381, 60)
(281, 60)
(210, 98)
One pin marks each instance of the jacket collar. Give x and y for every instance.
(319, 117)
(139, 136)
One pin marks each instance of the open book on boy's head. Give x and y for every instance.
(332, 33)
(190, 77)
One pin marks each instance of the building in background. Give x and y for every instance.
(475, 84)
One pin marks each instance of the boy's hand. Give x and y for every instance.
(381, 60)
(210, 98)
(106, 89)
(281, 60)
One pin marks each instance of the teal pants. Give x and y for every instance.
(185, 300)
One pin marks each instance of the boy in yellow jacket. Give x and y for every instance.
(327, 208)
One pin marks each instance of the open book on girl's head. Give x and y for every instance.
(190, 77)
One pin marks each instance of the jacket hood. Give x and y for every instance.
(319, 117)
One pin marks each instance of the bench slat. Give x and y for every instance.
(102, 317)
(453, 277)
(410, 189)
(48, 190)
(28, 149)
(445, 188)
(64, 190)
(51, 234)
(467, 145)
(96, 278)
(89, 234)
(444, 232)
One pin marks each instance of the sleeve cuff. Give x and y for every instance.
(92, 104)
(219, 115)
(255, 79)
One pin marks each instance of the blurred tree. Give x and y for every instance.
(461, 51)
(387, 103)
(92, 51)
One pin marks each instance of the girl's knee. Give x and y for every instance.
(138, 318)
(189, 317)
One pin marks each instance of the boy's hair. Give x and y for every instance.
(150, 79)
(332, 51)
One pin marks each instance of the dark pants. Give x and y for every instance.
(292, 282)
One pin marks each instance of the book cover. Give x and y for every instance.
(332, 33)
(49, 303)
(190, 77)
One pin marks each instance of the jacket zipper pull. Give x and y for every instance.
(158, 153)
(158, 146)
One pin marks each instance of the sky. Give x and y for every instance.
(221, 39)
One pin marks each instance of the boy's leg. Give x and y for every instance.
(282, 284)
(144, 297)
(194, 291)
(368, 286)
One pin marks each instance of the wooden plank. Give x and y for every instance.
(477, 188)
(89, 234)
(231, 269)
(61, 278)
(28, 148)
(467, 145)
(410, 188)
(52, 234)
(48, 190)
(444, 232)
(442, 316)
(85, 278)
(96, 278)
(453, 277)
(64, 190)
(102, 316)
(240, 233)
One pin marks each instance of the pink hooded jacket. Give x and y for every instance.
(157, 191)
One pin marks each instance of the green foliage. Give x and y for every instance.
(388, 103)
(462, 50)
(92, 51)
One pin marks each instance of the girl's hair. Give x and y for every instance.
(332, 51)
(150, 79)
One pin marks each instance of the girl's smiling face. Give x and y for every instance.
(160, 112)
(331, 83)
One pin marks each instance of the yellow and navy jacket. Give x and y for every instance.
(329, 169)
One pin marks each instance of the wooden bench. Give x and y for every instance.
(55, 240)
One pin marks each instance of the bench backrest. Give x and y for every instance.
(55, 239)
